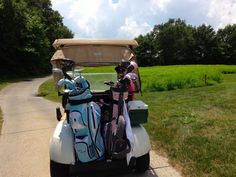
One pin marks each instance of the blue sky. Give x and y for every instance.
(127, 19)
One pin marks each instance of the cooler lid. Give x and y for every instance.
(137, 105)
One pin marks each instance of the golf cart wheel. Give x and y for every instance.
(142, 163)
(58, 169)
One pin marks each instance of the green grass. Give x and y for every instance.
(195, 127)
(163, 78)
(47, 90)
(101, 69)
(3, 84)
(97, 80)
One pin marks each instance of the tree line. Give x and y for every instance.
(176, 42)
(28, 29)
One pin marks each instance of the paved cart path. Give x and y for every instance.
(29, 122)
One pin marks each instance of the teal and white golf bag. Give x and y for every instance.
(84, 118)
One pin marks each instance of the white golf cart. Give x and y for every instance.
(64, 157)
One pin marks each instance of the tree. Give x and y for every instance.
(12, 28)
(28, 28)
(53, 24)
(227, 44)
(146, 52)
(173, 42)
(205, 50)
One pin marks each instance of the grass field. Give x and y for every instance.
(195, 127)
(178, 77)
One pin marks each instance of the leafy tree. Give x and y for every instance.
(227, 44)
(173, 41)
(28, 28)
(12, 28)
(146, 53)
(52, 19)
(205, 50)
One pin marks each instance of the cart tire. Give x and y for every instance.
(142, 163)
(59, 170)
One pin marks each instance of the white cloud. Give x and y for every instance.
(84, 15)
(81, 14)
(132, 29)
(222, 10)
(129, 18)
(159, 5)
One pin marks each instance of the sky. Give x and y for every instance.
(127, 19)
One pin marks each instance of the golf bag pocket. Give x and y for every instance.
(82, 150)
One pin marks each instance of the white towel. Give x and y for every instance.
(129, 133)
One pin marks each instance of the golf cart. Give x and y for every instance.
(99, 132)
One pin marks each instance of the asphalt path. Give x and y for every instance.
(29, 121)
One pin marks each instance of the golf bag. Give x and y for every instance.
(117, 143)
(84, 117)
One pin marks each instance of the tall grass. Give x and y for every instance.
(162, 78)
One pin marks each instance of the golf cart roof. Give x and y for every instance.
(92, 52)
(76, 42)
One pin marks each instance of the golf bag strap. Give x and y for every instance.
(78, 102)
